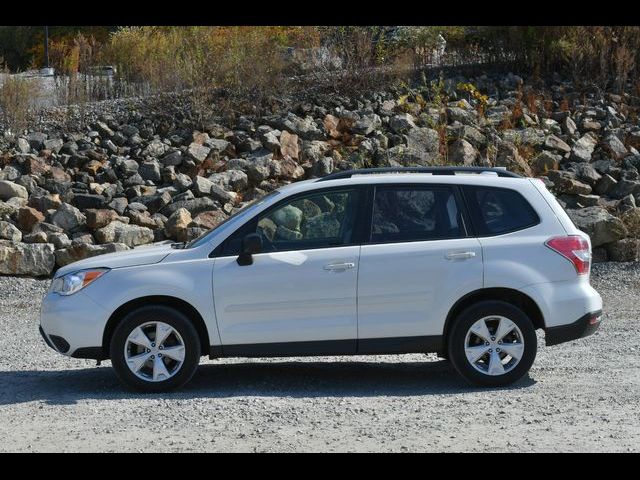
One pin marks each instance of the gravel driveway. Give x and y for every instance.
(580, 396)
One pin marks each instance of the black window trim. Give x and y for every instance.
(455, 188)
(363, 223)
(466, 194)
(358, 231)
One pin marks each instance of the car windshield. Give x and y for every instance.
(245, 211)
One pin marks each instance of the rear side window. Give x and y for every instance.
(495, 211)
(415, 213)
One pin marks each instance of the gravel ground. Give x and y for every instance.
(581, 396)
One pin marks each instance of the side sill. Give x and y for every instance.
(367, 346)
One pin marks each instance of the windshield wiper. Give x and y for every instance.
(179, 245)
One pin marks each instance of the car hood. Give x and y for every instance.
(146, 255)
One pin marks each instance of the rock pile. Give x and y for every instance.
(130, 178)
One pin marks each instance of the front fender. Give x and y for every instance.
(189, 280)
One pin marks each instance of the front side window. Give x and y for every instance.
(499, 210)
(415, 213)
(316, 220)
(246, 211)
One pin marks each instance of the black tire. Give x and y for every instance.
(457, 337)
(175, 319)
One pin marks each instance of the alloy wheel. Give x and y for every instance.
(154, 351)
(494, 345)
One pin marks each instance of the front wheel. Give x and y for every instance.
(492, 343)
(155, 349)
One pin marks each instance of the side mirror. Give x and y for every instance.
(251, 244)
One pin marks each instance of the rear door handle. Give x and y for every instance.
(339, 267)
(459, 255)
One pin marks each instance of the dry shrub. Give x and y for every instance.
(16, 99)
(527, 152)
(364, 56)
(232, 65)
(606, 55)
(75, 54)
(531, 99)
(516, 114)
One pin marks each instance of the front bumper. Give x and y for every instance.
(583, 327)
(73, 325)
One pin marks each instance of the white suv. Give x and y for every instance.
(465, 262)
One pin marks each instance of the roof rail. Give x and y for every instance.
(448, 170)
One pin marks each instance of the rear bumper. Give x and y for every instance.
(583, 327)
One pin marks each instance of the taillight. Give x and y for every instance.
(575, 249)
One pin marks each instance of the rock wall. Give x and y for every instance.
(134, 176)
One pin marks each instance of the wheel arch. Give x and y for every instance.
(176, 303)
(509, 295)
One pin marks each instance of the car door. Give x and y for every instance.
(417, 263)
(299, 295)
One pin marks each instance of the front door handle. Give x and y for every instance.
(339, 267)
(459, 255)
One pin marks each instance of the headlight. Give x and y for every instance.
(73, 282)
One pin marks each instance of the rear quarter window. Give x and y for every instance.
(495, 211)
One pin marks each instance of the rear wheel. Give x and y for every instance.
(155, 349)
(492, 343)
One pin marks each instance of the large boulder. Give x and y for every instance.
(33, 259)
(177, 224)
(98, 218)
(289, 145)
(201, 186)
(401, 123)
(130, 235)
(583, 148)
(565, 182)
(545, 161)
(69, 218)
(209, 219)
(10, 190)
(462, 152)
(198, 152)
(221, 195)
(466, 132)
(235, 180)
(8, 231)
(599, 224)
(193, 205)
(28, 217)
(554, 143)
(458, 114)
(81, 251)
(150, 170)
(614, 147)
(605, 184)
(624, 250)
(509, 156)
(173, 158)
(631, 220)
(625, 187)
(7, 209)
(84, 201)
(303, 127)
(366, 124)
(423, 147)
(286, 169)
